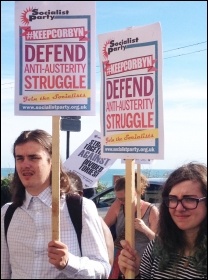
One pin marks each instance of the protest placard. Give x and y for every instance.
(131, 93)
(87, 162)
(55, 58)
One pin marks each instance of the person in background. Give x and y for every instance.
(145, 227)
(179, 250)
(77, 188)
(75, 182)
(29, 252)
(77, 185)
(88, 193)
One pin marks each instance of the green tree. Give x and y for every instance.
(5, 190)
(100, 187)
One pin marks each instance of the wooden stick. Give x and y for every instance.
(130, 208)
(138, 191)
(55, 178)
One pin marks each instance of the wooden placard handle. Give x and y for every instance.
(55, 178)
(138, 191)
(130, 208)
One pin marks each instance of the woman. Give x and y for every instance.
(145, 227)
(180, 248)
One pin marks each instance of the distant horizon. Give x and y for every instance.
(112, 168)
(6, 171)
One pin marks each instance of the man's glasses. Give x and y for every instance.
(187, 202)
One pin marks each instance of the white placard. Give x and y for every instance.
(87, 162)
(131, 93)
(55, 58)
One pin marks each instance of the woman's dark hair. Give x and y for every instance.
(170, 238)
(45, 140)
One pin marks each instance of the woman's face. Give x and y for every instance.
(188, 219)
(120, 196)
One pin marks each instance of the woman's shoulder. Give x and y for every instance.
(112, 213)
(149, 247)
(150, 206)
(115, 206)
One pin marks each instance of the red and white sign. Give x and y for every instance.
(131, 93)
(55, 58)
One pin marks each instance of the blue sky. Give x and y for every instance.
(184, 40)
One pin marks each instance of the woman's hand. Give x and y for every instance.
(128, 259)
(140, 225)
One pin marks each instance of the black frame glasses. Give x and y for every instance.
(187, 202)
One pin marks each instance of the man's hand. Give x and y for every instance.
(58, 254)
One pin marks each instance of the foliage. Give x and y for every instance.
(100, 187)
(5, 190)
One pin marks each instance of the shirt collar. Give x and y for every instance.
(44, 196)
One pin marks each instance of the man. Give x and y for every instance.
(77, 188)
(28, 252)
